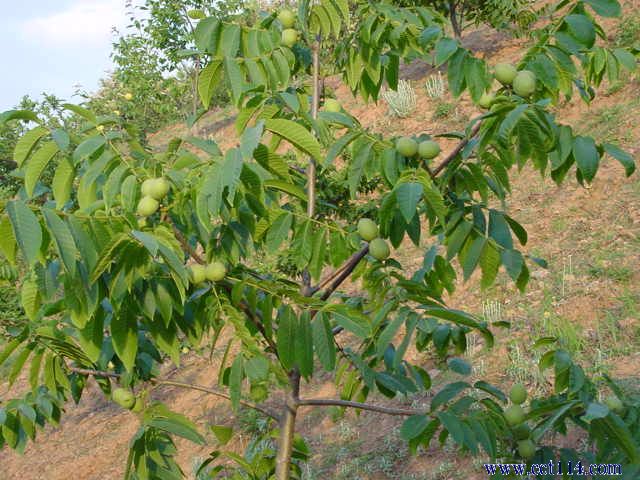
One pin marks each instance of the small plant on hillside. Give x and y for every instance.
(402, 101)
(127, 254)
(435, 85)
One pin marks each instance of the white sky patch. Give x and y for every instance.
(85, 23)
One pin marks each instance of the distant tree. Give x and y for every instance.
(499, 14)
(139, 89)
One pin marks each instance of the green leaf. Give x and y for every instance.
(234, 78)
(81, 111)
(626, 159)
(30, 298)
(454, 426)
(162, 418)
(447, 393)
(285, 338)
(208, 79)
(586, 155)
(8, 245)
(63, 182)
(582, 29)
(90, 337)
(490, 389)
(323, 341)
(296, 135)
(26, 143)
(388, 334)
(413, 427)
(605, 8)
(88, 148)
(18, 363)
(34, 369)
(595, 410)
(36, 165)
(513, 262)
(459, 366)
(457, 316)
(350, 320)
(18, 115)
(222, 433)
(473, 255)
(63, 239)
(26, 229)
(304, 345)
(124, 335)
(279, 231)
(456, 240)
(206, 34)
(489, 264)
(408, 195)
(286, 187)
(9, 348)
(499, 229)
(445, 48)
(235, 381)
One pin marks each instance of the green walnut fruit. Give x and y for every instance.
(289, 37)
(367, 229)
(379, 249)
(406, 146)
(145, 189)
(526, 449)
(522, 431)
(197, 273)
(258, 393)
(525, 83)
(614, 404)
(287, 18)
(518, 394)
(123, 397)
(514, 415)
(147, 206)
(159, 188)
(486, 100)
(505, 73)
(215, 271)
(332, 105)
(428, 149)
(138, 405)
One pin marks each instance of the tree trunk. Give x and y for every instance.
(288, 420)
(457, 27)
(287, 429)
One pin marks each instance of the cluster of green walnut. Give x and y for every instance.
(213, 272)
(153, 190)
(523, 83)
(408, 147)
(515, 417)
(378, 247)
(127, 399)
(289, 34)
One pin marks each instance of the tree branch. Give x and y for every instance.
(454, 153)
(330, 402)
(217, 394)
(160, 382)
(185, 244)
(95, 373)
(350, 266)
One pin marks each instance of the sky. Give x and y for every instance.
(53, 45)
